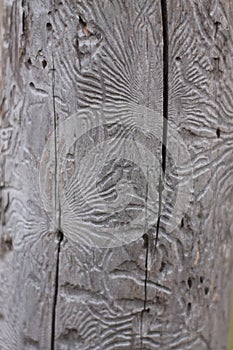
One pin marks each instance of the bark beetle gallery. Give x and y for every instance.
(116, 174)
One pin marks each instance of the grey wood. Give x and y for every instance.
(116, 177)
(28, 241)
(201, 107)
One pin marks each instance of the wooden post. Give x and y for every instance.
(116, 178)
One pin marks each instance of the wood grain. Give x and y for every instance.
(28, 240)
(185, 290)
(200, 106)
(84, 98)
(110, 59)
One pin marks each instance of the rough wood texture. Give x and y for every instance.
(28, 242)
(86, 90)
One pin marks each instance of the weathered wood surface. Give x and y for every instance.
(28, 241)
(80, 75)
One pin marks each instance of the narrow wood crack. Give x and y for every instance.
(165, 111)
(146, 237)
(57, 217)
(56, 200)
(56, 287)
(146, 246)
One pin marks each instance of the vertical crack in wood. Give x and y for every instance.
(57, 219)
(165, 110)
(56, 287)
(146, 245)
(163, 154)
(57, 202)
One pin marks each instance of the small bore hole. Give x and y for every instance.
(182, 222)
(206, 290)
(189, 307)
(49, 26)
(82, 22)
(44, 63)
(201, 279)
(218, 132)
(29, 61)
(190, 282)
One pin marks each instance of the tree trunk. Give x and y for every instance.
(116, 174)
